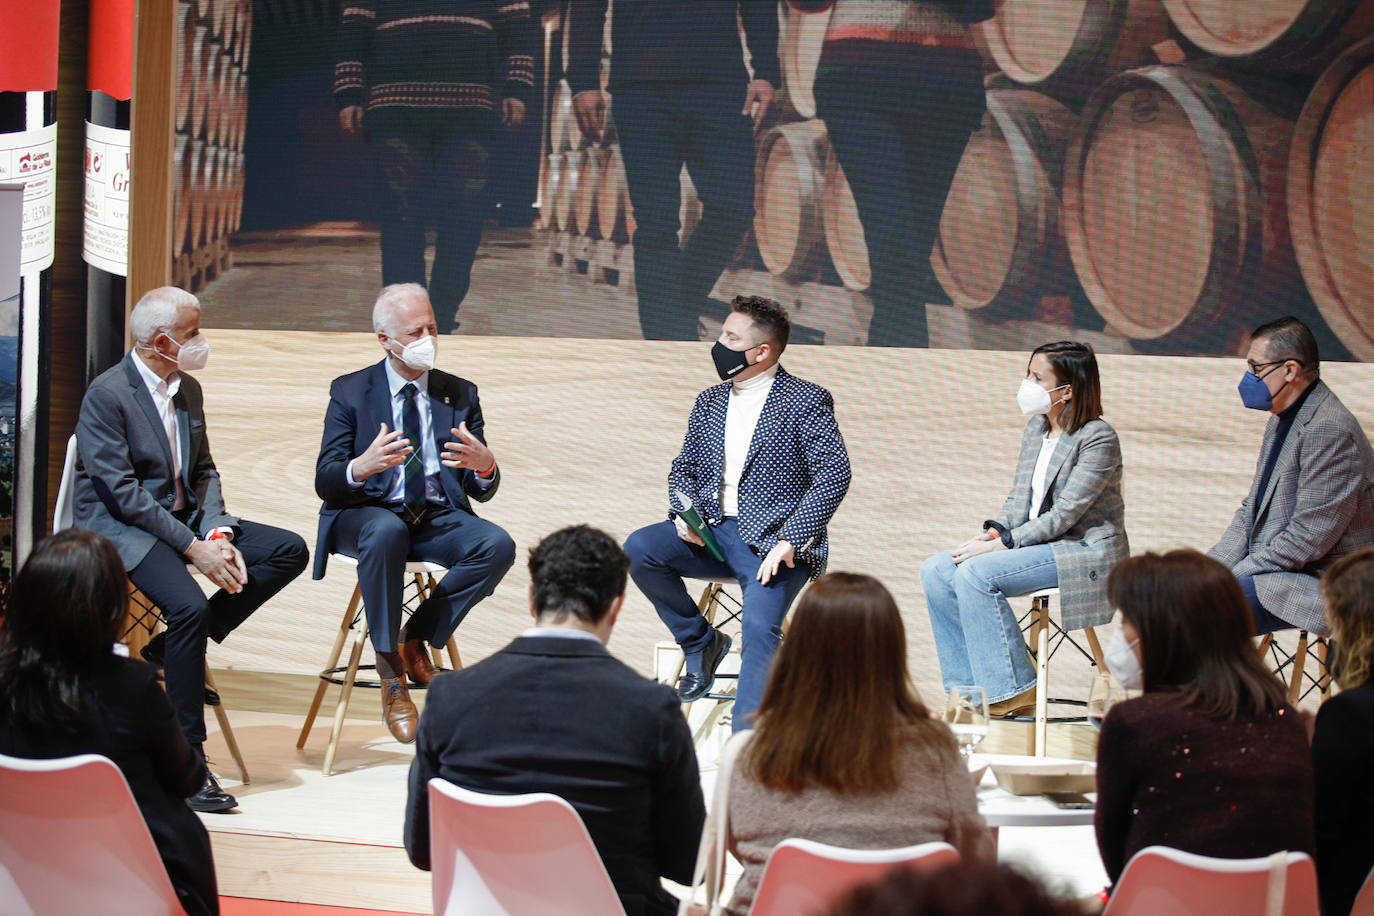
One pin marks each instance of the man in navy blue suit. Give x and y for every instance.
(765, 465)
(402, 456)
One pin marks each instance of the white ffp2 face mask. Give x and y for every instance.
(193, 354)
(1123, 664)
(419, 354)
(1032, 399)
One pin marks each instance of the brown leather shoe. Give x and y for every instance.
(419, 668)
(397, 710)
(1020, 705)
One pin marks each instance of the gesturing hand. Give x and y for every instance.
(589, 107)
(512, 114)
(384, 452)
(467, 452)
(221, 563)
(757, 99)
(781, 553)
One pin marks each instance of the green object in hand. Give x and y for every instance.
(689, 514)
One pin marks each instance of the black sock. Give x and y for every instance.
(389, 665)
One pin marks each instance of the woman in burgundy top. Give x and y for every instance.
(1211, 759)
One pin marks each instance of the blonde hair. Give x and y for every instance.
(1348, 587)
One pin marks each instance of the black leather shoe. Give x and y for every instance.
(211, 799)
(693, 685)
(156, 650)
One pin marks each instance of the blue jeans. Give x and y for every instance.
(976, 634)
(660, 560)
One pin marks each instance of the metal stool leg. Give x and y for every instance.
(341, 710)
(344, 626)
(223, 718)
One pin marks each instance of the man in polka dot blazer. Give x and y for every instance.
(764, 464)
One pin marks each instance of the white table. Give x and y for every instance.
(1002, 809)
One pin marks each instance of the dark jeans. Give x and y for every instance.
(660, 560)
(661, 127)
(434, 169)
(273, 556)
(477, 553)
(899, 146)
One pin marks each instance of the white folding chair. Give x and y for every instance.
(72, 840)
(1159, 879)
(1364, 900)
(803, 876)
(513, 855)
(145, 618)
(419, 576)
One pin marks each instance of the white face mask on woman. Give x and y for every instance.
(1123, 664)
(1033, 399)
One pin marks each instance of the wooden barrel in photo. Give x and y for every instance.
(186, 33)
(195, 193)
(799, 49)
(548, 193)
(567, 192)
(563, 130)
(1331, 197)
(207, 78)
(219, 193)
(591, 172)
(219, 17)
(192, 62)
(245, 37)
(614, 215)
(789, 180)
(689, 212)
(1174, 206)
(181, 204)
(1068, 47)
(1291, 34)
(1000, 244)
(844, 233)
(235, 178)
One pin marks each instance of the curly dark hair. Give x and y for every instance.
(577, 571)
(962, 889)
(769, 317)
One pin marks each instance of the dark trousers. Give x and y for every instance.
(1265, 621)
(660, 560)
(899, 151)
(273, 556)
(434, 168)
(661, 128)
(477, 553)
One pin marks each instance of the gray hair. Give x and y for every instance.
(384, 312)
(157, 312)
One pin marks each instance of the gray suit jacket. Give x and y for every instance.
(1082, 516)
(1317, 507)
(125, 481)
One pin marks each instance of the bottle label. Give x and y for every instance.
(105, 241)
(29, 157)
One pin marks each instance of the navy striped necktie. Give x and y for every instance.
(414, 467)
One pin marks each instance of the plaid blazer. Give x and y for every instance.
(1317, 507)
(796, 471)
(1082, 515)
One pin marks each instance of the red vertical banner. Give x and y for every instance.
(28, 45)
(110, 62)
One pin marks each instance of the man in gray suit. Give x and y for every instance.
(1312, 498)
(146, 481)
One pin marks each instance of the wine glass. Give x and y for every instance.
(1103, 694)
(966, 712)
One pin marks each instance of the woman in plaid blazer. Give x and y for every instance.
(1063, 524)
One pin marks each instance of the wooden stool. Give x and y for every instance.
(422, 581)
(1297, 660)
(713, 599)
(144, 622)
(1037, 625)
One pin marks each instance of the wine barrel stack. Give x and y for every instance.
(1186, 168)
(211, 115)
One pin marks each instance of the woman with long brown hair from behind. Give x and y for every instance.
(1211, 759)
(844, 752)
(1343, 744)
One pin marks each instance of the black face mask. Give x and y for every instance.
(730, 363)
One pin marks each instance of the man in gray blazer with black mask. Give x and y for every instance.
(146, 481)
(1312, 497)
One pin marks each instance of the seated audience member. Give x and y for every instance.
(1312, 497)
(145, 479)
(402, 460)
(844, 752)
(1063, 524)
(1211, 759)
(554, 712)
(964, 889)
(63, 691)
(1343, 745)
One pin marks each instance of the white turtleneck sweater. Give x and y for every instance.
(741, 416)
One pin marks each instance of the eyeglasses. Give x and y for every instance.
(1256, 367)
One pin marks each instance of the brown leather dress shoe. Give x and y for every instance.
(1020, 705)
(397, 710)
(419, 668)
